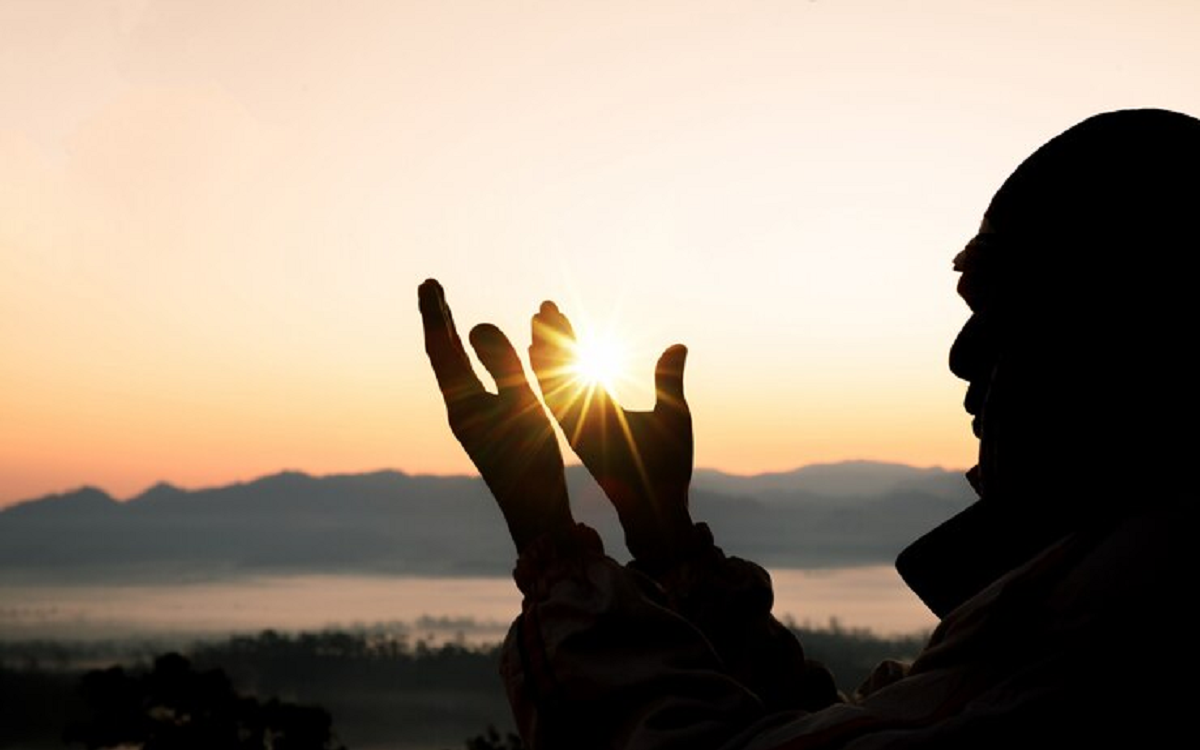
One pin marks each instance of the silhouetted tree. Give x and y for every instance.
(491, 740)
(174, 707)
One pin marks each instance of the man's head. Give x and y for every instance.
(1082, 305)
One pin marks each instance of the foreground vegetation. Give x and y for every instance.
(379, 688)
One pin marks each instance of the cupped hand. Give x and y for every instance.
(641, 459)
(506, 434)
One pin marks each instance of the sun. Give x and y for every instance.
(598, 361)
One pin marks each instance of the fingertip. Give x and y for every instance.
(544, 322)
(491, 343)
(429, 294)
(551, 332)
(668, 376)
(498, 357)
(484, 336)
(674, 357)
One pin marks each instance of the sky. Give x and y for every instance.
(214, 216)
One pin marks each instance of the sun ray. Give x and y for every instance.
(598, 360)
(633, 451)
(607, 334)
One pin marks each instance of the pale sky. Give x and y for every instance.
(214, 216)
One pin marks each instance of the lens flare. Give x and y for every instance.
(598, 361)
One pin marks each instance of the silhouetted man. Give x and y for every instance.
(1063, 592)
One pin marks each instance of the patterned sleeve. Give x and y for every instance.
(598, 659)
(730, 600)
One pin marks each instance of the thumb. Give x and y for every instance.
(668, 378)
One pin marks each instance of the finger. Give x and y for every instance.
(552, 349)
(451, 366)
(552, 355)
(558, 319)
(553, 335)
(498, 356)
(668, 378)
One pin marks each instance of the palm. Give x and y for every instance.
(641, 459)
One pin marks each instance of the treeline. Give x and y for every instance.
(381, 688)
(851, 653)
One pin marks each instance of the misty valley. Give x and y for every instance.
(382, 598)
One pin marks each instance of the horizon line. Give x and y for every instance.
(6, 504)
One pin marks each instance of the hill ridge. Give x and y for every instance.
(390, 522)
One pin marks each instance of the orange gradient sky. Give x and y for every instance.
(214, 216)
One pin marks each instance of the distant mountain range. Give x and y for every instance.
(387, 522)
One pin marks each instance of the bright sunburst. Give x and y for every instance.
(599, 361)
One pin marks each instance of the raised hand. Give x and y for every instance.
(507, 434)
(642, 460)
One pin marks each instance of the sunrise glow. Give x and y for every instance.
(213, 220)
(599, 361)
